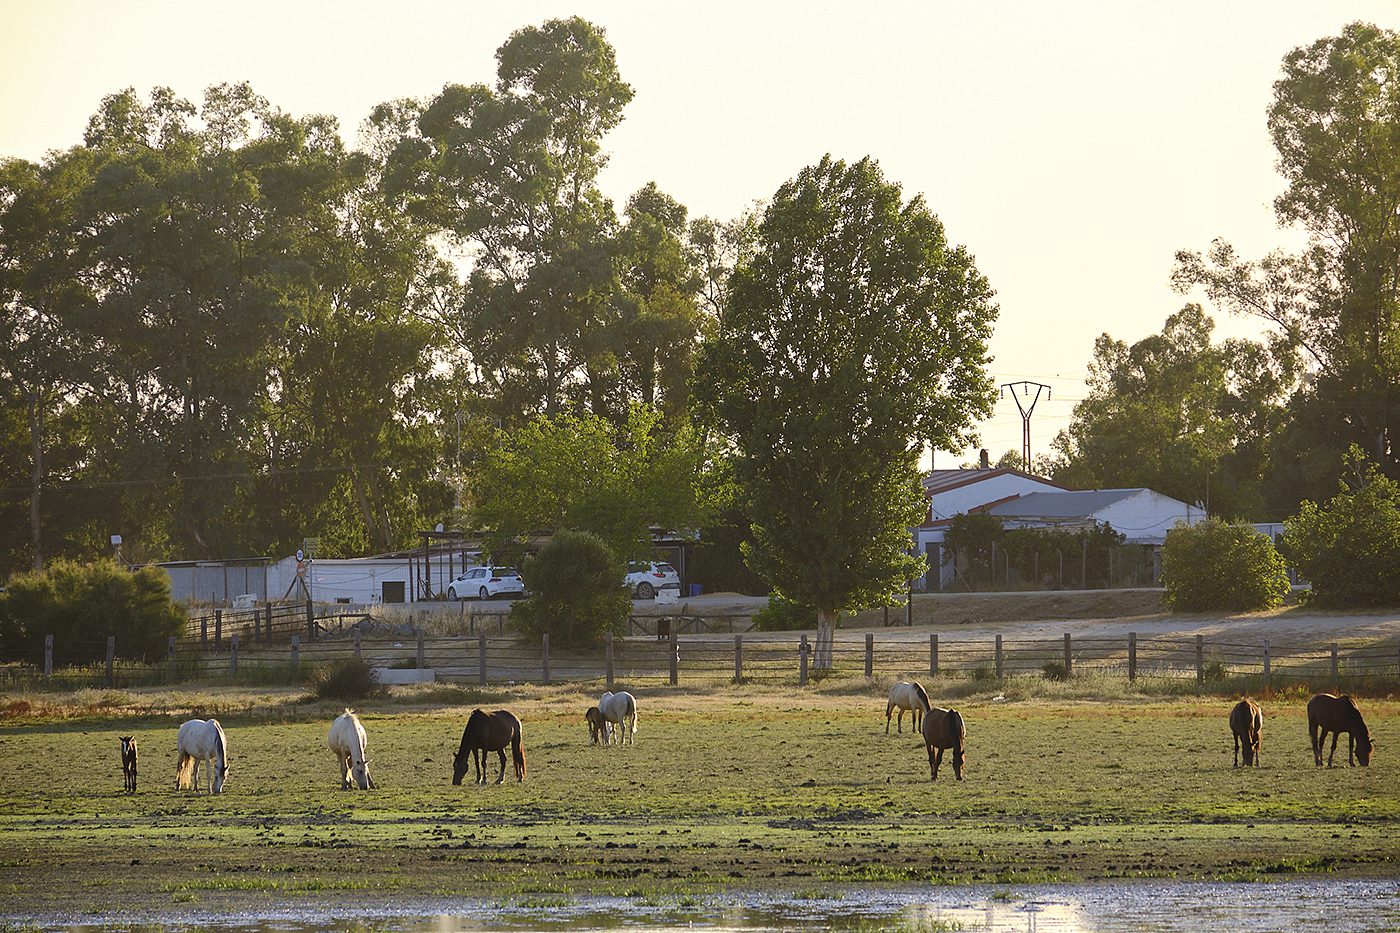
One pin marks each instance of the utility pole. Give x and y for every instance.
(1025, 401)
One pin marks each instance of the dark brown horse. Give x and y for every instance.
(129, 762)
(489, 732)
(1246, 722)
(943, 729)
(1334, 714)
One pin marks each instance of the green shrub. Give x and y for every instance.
(780, 615)
(350, 679)
(1055, 670)
(576, 588)
(82, 604)
(1349, 548)
(1216, 566)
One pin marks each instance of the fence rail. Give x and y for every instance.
(249, 651)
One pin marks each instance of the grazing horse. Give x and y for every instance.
(903, 697)
(943, 728)
(489, 732)
(129, 762)
(1336, 714)
(347, 740)
(1246, 722)
(619, 708)
(202, 740)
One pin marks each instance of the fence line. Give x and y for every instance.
(245, 650)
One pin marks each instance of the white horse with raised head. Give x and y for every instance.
(614, 718)
(201, 740)
(347, 740)
(905, 695)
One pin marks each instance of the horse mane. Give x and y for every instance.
(220, 742)
(922, 695)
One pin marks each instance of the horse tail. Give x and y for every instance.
(517, 752)
(184, 771)
(632, 708)
(958, 730)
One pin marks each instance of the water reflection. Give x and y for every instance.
(1146, 907)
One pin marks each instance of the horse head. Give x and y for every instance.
(219, 777)
(1364, 747)
(461, 761)
(596, 724)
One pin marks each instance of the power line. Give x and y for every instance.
(1025, 401)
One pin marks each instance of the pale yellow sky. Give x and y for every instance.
(1073, 147)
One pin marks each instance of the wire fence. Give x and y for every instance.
(675, 658)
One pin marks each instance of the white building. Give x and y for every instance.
(1020, 500)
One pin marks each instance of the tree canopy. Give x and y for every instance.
(853, 336)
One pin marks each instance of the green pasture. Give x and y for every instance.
(730, 787)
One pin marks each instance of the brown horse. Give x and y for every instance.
(1334, 714)
(1246, 722)
(943, 729)
(129, 762)
(489, 732)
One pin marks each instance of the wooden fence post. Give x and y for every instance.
(418, 658)
(999, 659)
(310, 622)
(111, 657)
(544, 657)
(675, 655)
(1069, 657)
(802, 651)
(1132, 656)
(887, 615)
(1200, 660)
(267, 629)
(481, 657)
(608, 657)
(1335, 677)
(170, 655)
(933, 654)
(204, 632)
(909, 607)
(359, 653)
(233, 654)
(257, 624)
(296, 654)
(1268, 668)
(48, 656)
(869, 654)
(218, 629)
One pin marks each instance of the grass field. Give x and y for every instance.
(733, 787)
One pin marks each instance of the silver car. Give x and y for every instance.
(486, 583)
(644, 579)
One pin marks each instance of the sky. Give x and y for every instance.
(1072, 147)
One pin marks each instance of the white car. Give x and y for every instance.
(487, 583)
(644, 579)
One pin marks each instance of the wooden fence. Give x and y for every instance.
(780, 658)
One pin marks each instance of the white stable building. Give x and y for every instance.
(1021, 500)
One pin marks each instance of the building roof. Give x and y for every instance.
(936, 481)
(1062, 506)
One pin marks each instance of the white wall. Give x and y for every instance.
(1147, 517)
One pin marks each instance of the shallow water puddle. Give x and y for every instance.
(1140, 907)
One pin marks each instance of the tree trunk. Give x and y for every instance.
(826, 637)
(36, 442)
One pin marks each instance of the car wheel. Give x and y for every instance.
(484, 594)
(452, 593)
(646, 591)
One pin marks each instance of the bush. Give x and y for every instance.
(82, 604)
(577, 594)
(1054, 670)
(1350, 547)
(780, 615)
(350, 679)
(1216, 566)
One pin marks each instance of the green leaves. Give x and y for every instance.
(853, 335)
(1218, 566)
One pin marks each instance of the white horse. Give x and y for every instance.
(905, 696)
(202, 740)
(347, 740)
(619, 708)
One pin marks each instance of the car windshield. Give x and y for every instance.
(665, 568)
(507, 572)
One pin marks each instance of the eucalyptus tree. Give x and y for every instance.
(1335, 124)
(855, 335)
(510, 172)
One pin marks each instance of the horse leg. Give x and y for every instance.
(1313, 731)
(1237, 749)
(341, 759)
(899, 722)
(501, 778)
(889, 708)
(1351, 750)
(935, 758)
(194, 775)
(1335, 736)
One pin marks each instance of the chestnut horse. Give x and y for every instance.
(1336, 714)
(489, 732)
(943, 729)
(1246, 722)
